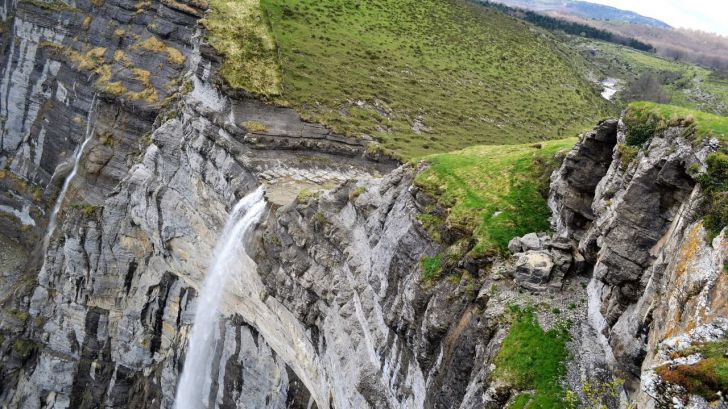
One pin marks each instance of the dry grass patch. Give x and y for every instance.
(155, 45)
(239, 31)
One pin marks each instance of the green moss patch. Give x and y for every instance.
(492, 193)
(532, 359)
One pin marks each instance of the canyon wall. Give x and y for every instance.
(330, 309)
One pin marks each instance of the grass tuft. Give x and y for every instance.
(155, 45)
(431, 268)
(532, 359)
(255, 126)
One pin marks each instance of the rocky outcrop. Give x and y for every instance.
(542, 262)
(347, 267)
(573, 187)
(654, 275)
(331, 309)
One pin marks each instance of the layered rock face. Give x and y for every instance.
(329, 309)
(656, 279)
(102, 317)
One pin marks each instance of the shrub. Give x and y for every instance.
(715, 185)
(358, 191)
(707, 377)
(320, 219)
(305, 195)
(596, 393)
(23, 348)
(639, 130)
(431, 267)
(627, 154)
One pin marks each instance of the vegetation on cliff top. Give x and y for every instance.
(239, 31)
(715, 187)
(532, 359)
(421, 76)
(492, 193)
(707, 377)
(643, 119)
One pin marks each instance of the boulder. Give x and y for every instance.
(533, 269)
(543, 261)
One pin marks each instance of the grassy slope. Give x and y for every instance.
(239, 31)
(533, 359)
(493, 193)
(421, 76)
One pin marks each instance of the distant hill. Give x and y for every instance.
(693, 46)
(569, 24)
(586, 10)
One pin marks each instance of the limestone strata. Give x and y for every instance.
(655, 276)
(335, 313)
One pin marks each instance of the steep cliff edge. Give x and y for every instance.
(657, 274)
(334, 307)
(105, 309)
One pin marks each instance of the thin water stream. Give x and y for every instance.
(67, 183)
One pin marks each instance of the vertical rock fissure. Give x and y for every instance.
(574, 186)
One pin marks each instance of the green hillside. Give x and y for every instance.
(420, 76)
(493, 193)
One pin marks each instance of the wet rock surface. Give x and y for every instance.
(336, 313)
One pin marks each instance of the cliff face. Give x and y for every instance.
(331, 309)
(656, 280)
(101, 317)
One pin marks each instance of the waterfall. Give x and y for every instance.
(67, 183)
(225, 259)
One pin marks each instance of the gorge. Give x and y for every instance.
(171, 241)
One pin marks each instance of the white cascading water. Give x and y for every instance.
(225, 260)
(67, 183)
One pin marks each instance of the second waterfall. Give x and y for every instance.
(226, 259)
